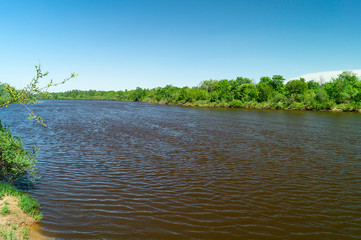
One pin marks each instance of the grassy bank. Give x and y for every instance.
(18, 211)
(264, 105)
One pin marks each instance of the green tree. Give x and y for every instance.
(242, 80)
(277, 82)
(138, 94)
(296, 87)
(241, 92)
(313, 85)
(248, 92)
(209, 85)
(344, 88)
(224, 90)
(265, 90)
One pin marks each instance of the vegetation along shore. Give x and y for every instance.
(18, 210)
(340, 94)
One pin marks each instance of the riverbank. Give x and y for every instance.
(241, 105)
(262, 105)
(19, 212)
(137, 160)
(341, 94)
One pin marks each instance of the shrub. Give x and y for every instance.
(16, 164)
(236, 104)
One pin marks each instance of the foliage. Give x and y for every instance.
(343, 93)
(9, 95)
(16, 164)
(344, 89)
(296, 87)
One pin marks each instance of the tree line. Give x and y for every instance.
(342, 93)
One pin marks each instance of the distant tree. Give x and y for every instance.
(265, 90)
(312, 85)
(266, 80)
(248, 92)
(208, 85)
(241, 92)
(224, 90)
(138, 94)
(296, 86)
(241, 80)
(277, 82)
(344, 88)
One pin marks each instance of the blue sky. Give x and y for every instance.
(118, 45)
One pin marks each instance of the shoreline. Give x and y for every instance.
(19, 215)
(225, 105)
(17, 224)
(341, 94)
(35, 233)
(192, 104)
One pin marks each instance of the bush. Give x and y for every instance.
(236, 104)
(16, 164)
(278, 98)
(328, 105)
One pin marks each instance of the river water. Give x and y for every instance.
(125, 170)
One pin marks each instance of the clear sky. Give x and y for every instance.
(118, 45)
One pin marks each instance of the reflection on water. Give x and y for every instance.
(123, 170)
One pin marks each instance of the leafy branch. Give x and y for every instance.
(27, 95)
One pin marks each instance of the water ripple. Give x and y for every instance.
(121, 170)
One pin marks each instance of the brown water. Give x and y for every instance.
(123, 170)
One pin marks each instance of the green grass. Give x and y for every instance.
(8, 234)
(27, 203)
(25, 232)
(5, 210)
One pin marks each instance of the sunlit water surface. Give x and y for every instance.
(124, 170)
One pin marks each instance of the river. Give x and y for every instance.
(126, 170)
